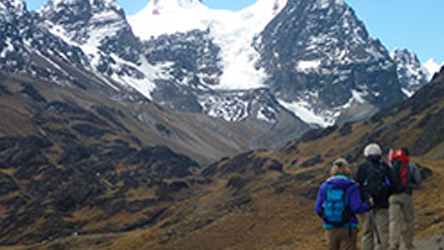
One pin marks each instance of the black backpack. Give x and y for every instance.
(377, 182)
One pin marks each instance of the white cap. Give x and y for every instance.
(372, 149)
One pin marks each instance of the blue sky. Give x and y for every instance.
(413, 24)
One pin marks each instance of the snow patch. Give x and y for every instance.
(358, 96)
(322, 4)
(407, 92)
(307, 66)
(303, 110)
(431, 67)
(9, 48)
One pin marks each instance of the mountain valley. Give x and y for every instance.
(184, 127)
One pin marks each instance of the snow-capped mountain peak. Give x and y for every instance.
(233, 32)
(431, 67)
(171, 16)
(168, 17)
(406, 56)
(100, 29)
(411, 74)
(74, 18)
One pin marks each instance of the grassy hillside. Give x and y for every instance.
(73, 161)
(265, 199)
(275, 190)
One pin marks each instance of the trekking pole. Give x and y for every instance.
(375, 228)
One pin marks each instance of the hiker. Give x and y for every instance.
(374, 177)
(338, 201)
(402, 213)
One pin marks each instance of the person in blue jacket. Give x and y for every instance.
(343, 233)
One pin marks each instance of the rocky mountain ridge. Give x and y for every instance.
(326, 62)
(411, 74)
(216, 68)
(261, 67)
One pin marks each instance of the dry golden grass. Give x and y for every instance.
(16, 114)
(429, 199)
(8, 171)
(86, 213)
(140, 194)
(270, 221)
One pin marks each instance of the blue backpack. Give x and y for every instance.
(336, 209)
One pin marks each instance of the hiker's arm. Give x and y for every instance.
(320, 200)
(356, 204)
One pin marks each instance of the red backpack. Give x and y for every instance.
(400, 165)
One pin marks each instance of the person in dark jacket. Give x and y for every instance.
(375, 179)
(344, 235)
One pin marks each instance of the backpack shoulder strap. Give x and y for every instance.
(347, 187)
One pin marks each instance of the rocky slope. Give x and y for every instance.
(100, 30)
(72, 160)
(319, 55)
(27, 47)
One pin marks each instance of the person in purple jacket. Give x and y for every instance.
(340, 193)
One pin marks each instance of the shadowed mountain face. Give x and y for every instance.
(74, 161)
(319, 52)
(60, 158)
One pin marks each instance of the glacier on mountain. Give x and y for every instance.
(233, 32)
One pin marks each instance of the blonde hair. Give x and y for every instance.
(340, 166)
